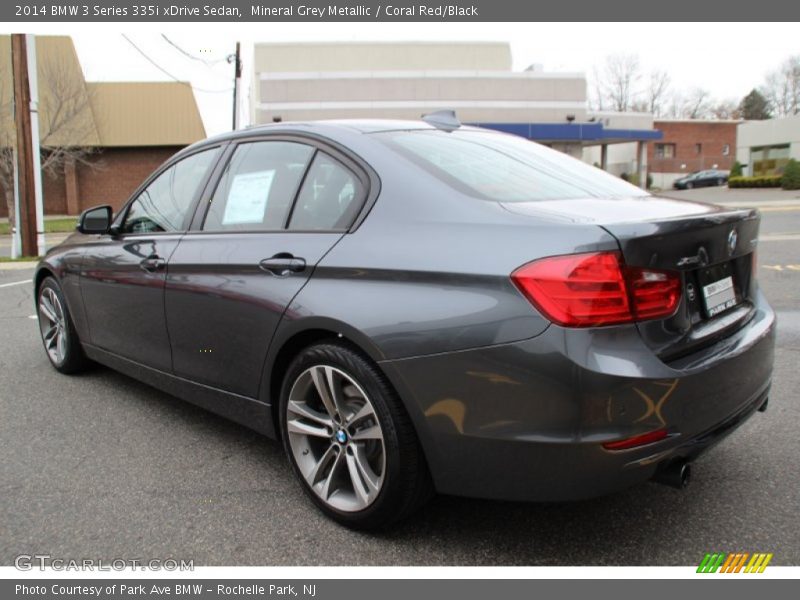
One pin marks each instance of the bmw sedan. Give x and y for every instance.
(697, 179)
(420, 307)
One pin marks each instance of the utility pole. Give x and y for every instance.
(26, 218)
(237, 79)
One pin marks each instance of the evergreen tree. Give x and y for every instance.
(755, 107)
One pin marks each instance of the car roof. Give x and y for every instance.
(328, 127)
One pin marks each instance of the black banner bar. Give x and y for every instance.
(44, 11)
(730, 588)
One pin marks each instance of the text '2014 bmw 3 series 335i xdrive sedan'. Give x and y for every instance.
(420, 307)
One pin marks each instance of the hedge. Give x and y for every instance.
(761, 181)
(633, 178)
(791, 176)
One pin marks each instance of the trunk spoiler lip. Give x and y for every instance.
(565, 210)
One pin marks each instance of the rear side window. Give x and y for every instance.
(504, 168)
(256, 191)
(330, 196)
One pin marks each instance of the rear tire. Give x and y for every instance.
(57, 330)
(349, 440)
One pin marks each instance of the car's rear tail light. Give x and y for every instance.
(653, 293)
(637, 440)
(587, 290)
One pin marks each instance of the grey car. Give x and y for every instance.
(420, 307)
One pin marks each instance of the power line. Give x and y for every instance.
(207, 63)
(170, 75)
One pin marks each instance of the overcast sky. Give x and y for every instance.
(728, 59)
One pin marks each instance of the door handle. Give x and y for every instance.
(153, 263)
(283, 264)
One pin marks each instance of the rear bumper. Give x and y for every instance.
(526, 421)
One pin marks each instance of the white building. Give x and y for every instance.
(764, 147)
(406, 80)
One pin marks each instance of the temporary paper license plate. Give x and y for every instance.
(719, 296)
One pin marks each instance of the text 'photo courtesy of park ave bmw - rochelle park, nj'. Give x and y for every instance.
(295, 294)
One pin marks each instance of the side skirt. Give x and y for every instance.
(241, 409)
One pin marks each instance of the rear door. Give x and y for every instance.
(279, 206)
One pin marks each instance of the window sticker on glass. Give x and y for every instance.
(247, 198)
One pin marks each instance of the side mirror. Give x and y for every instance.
(95, 220)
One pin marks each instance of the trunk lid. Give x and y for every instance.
(711, 246)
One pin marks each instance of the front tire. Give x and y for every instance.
(349, 440)
(58, 333)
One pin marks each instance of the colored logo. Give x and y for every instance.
(735, 562)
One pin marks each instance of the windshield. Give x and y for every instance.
(504, 168)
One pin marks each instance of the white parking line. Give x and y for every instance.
(2, 285)
(779, 237)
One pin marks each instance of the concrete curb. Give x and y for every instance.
(787, 203)
(17, 266)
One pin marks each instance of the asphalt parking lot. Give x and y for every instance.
(101, 466)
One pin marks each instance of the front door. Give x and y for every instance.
(123, 274)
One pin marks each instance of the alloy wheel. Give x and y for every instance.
(336, 438)
(53, 325)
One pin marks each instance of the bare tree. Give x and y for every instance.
(596, 100)
(673, 107)
(7, 142)
(66, 125)
(726, 109)
(657, 92)
(696, 104)
(617, 82)
(782, 88)
(619, 86)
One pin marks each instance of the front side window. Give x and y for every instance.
(504, 168)
(256, 191)
(164, 204)
(329, 198)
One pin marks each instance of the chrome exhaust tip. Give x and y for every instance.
(675, 474)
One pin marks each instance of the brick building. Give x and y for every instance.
(691, 145)
(130, 127)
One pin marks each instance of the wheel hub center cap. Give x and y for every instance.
(341, 436)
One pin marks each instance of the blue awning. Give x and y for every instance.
(588, 134)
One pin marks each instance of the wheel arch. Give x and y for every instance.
(292, 339)
(42, 273)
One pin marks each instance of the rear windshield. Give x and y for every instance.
(504, 168)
